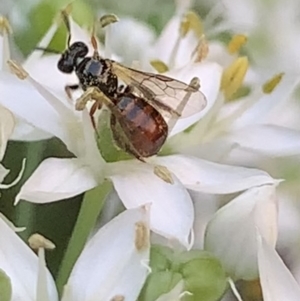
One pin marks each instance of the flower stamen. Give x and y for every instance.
(4, 26)
(269, 86)
(17, 69)
(141, 236)
(236, 43)
(159, 66)
(163, 173)
(37, 241)
(233, 76)
(201, 51)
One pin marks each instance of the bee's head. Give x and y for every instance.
(68, 60)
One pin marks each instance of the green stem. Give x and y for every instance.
(91, 207)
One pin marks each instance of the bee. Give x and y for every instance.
(143, 109)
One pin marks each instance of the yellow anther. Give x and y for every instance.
(37, 241)
(163, 173)
(159, 66)
(4, 26)
(269, 86)
(236, 43)
(201, 51)
(17, 69)
(141, 236)
(108, 19)
(233, 76)
(191, 21)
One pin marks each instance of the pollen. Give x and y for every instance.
(17, 69)
(233, 76)
(4, 26)
(269, 86)
(159, 66)
(236, 43)
(141, 236)
(191, 21)
(37, 241)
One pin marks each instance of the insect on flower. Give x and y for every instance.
(143, 110)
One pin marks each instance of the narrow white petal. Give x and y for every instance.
(21, 266)
(57, 179)
(36, 55)
(263, 107)
(4, 50)
(231, 234)
(204, 176)
(114, 262)
(25, 132)
(210, 78)
(166, 42)
(3, 173)
(175, 294)
(7, 124)
(276, 280)
(26, 103)
(172, 211)
(269, 140)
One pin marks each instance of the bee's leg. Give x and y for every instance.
(96, 106)
(121, 141)
(129, 89)
(91, 93)
(121, 89)
(70, 88)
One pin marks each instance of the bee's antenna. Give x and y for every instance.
(65, 17)
(48, 50)
(94, 43)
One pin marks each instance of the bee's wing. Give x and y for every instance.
(171, 97)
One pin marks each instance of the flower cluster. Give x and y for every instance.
(176, 195)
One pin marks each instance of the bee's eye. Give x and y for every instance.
(66, 64)
(78, 49)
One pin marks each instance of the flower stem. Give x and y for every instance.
(91, 207)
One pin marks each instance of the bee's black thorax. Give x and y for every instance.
(96, 73)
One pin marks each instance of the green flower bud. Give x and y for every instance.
(5, 287)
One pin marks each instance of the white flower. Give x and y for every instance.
(276, 280)
(231, 233)
(103, 271)
(56, 179)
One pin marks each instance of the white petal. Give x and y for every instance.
(4, 50)
(21, 266)
(3, 173)
(114, 262)
(204, 176)
(205, 206)
(36, 55)
(57, 179)
(260, 111)
(276, 280)
(130, 47)
(25, 132)
(175, 294)
(231, 234)
(24, 101)
(166, 42)
(7, 124)
(269, 140)
(210, 77)
(172, 212)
